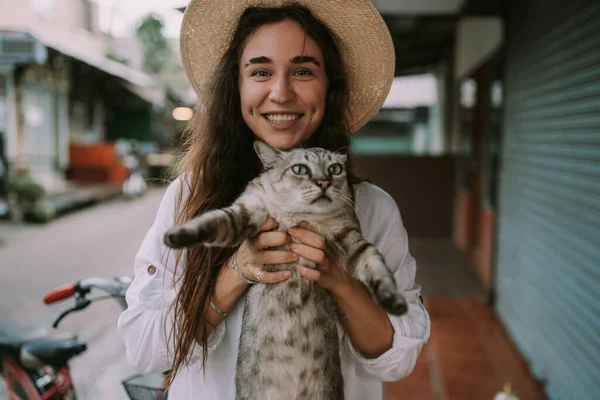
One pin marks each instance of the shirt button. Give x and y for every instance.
(151, 270)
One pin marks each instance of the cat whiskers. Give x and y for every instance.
(338, 194)
(309, 194)
(347, 200)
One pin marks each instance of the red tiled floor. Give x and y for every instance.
(469, 357)
(506, 358)
(417, 386)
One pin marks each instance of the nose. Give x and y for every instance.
(324, 184)
(282, 90)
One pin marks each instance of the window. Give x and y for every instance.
(407, 122)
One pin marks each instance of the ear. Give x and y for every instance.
(268, 155)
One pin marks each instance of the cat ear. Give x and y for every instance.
(268, 155)
(343, 153)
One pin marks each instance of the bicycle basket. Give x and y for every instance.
(145, 387)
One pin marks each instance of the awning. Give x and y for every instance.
(139, 83)
(150, 94)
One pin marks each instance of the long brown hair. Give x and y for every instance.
(219, 161)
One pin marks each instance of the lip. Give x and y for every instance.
(281, 126)
(280, 112)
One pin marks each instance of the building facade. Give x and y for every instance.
(58, 87)
(547, 278)
(527, 204)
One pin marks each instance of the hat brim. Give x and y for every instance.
(364, 42)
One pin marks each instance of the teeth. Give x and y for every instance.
(282, 118)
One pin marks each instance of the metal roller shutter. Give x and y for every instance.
(548, 250)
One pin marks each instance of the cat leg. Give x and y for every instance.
(366, 264)
(224, 227)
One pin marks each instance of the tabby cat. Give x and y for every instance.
(289, 345)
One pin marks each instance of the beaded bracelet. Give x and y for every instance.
(236, 269)
(222, 313)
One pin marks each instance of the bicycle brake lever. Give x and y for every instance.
(80, 304)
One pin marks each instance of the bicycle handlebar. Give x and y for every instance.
(116, 290)
(60, 293)
(83, 287)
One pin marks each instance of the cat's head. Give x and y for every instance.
(305, 180)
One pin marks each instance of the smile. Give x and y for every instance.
(282, 118)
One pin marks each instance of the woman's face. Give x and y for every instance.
(283, 85)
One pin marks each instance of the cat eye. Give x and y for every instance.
(336, 169)
(300, 169)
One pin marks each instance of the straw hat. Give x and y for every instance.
(364, 42)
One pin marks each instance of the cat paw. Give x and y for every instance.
(389, 299)
(178, 238)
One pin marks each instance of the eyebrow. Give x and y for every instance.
(258, 60)
(305, 59)
(294, 60)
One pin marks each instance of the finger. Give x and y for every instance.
(272, 239)
(310, 253)
(308, 237)
(269, 224)
(309, 273)
(275, 276)
(277, 257)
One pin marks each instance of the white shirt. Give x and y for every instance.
(142, 325)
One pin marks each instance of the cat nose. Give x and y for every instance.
(324, 184)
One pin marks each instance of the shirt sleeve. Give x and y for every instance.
(382, 226)
(146, 324)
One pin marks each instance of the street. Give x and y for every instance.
(98, 241)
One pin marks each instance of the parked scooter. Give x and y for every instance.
(38, 369)
(134, 184)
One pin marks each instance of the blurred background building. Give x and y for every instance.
(70, 88)
(501, 152)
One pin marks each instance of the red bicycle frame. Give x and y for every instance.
(19, 382)
(37, 381)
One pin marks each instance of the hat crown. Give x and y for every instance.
(364, 42)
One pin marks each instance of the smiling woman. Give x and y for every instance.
(283, 84)
(303, 74)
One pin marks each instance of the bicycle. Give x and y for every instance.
(38, 369)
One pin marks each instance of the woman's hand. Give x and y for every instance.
(367, 325)
(313, 247)
(254, 253)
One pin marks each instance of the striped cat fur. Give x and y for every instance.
(289, 346)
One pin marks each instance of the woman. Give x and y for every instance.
(303, 75)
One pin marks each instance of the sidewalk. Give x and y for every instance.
(80, 194)
(469, 355)
(72, 197)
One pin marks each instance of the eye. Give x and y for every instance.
(261, 73)
(303, 72)
(300, 169)
(336, 169)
